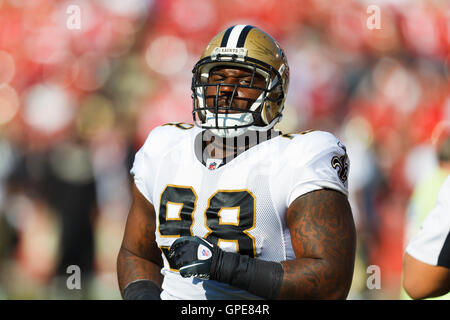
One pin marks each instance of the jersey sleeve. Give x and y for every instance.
(318, 160)
(146, 162)
(431, 244)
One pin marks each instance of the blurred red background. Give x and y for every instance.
(76, 102)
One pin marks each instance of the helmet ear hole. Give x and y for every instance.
(276, 94)
(269, 113)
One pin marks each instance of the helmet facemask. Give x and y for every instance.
(228, 120)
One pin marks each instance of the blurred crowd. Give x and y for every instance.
(83, 82)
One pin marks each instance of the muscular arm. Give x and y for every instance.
(139, 256)
(421, 280)
(324, 240)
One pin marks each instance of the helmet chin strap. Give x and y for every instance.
(268, 127)
(228, 120)
(232, 119)
(236, 119)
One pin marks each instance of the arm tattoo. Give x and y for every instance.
(131, 267)
(139, 256)
(324, 240)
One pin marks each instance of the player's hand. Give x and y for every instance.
(193, 256)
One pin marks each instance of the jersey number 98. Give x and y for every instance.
(229, 216)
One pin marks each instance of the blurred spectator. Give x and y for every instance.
(71, 192)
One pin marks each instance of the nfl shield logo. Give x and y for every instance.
(212, 166)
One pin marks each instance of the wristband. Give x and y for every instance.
(262, 278)
(142, 289)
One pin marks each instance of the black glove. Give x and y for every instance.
(193, 256)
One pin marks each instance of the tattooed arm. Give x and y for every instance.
(324, 241)
(139, 256)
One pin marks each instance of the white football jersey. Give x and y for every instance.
(432, 243)
(240, 205)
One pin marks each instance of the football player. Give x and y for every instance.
(229, 208)
(426, 261)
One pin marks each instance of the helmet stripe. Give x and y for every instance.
(243, 36)
(226, 36)
(234, 35)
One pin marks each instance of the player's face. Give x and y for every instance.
(232, 76)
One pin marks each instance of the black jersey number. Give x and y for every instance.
(176, 211)
(229, 216)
